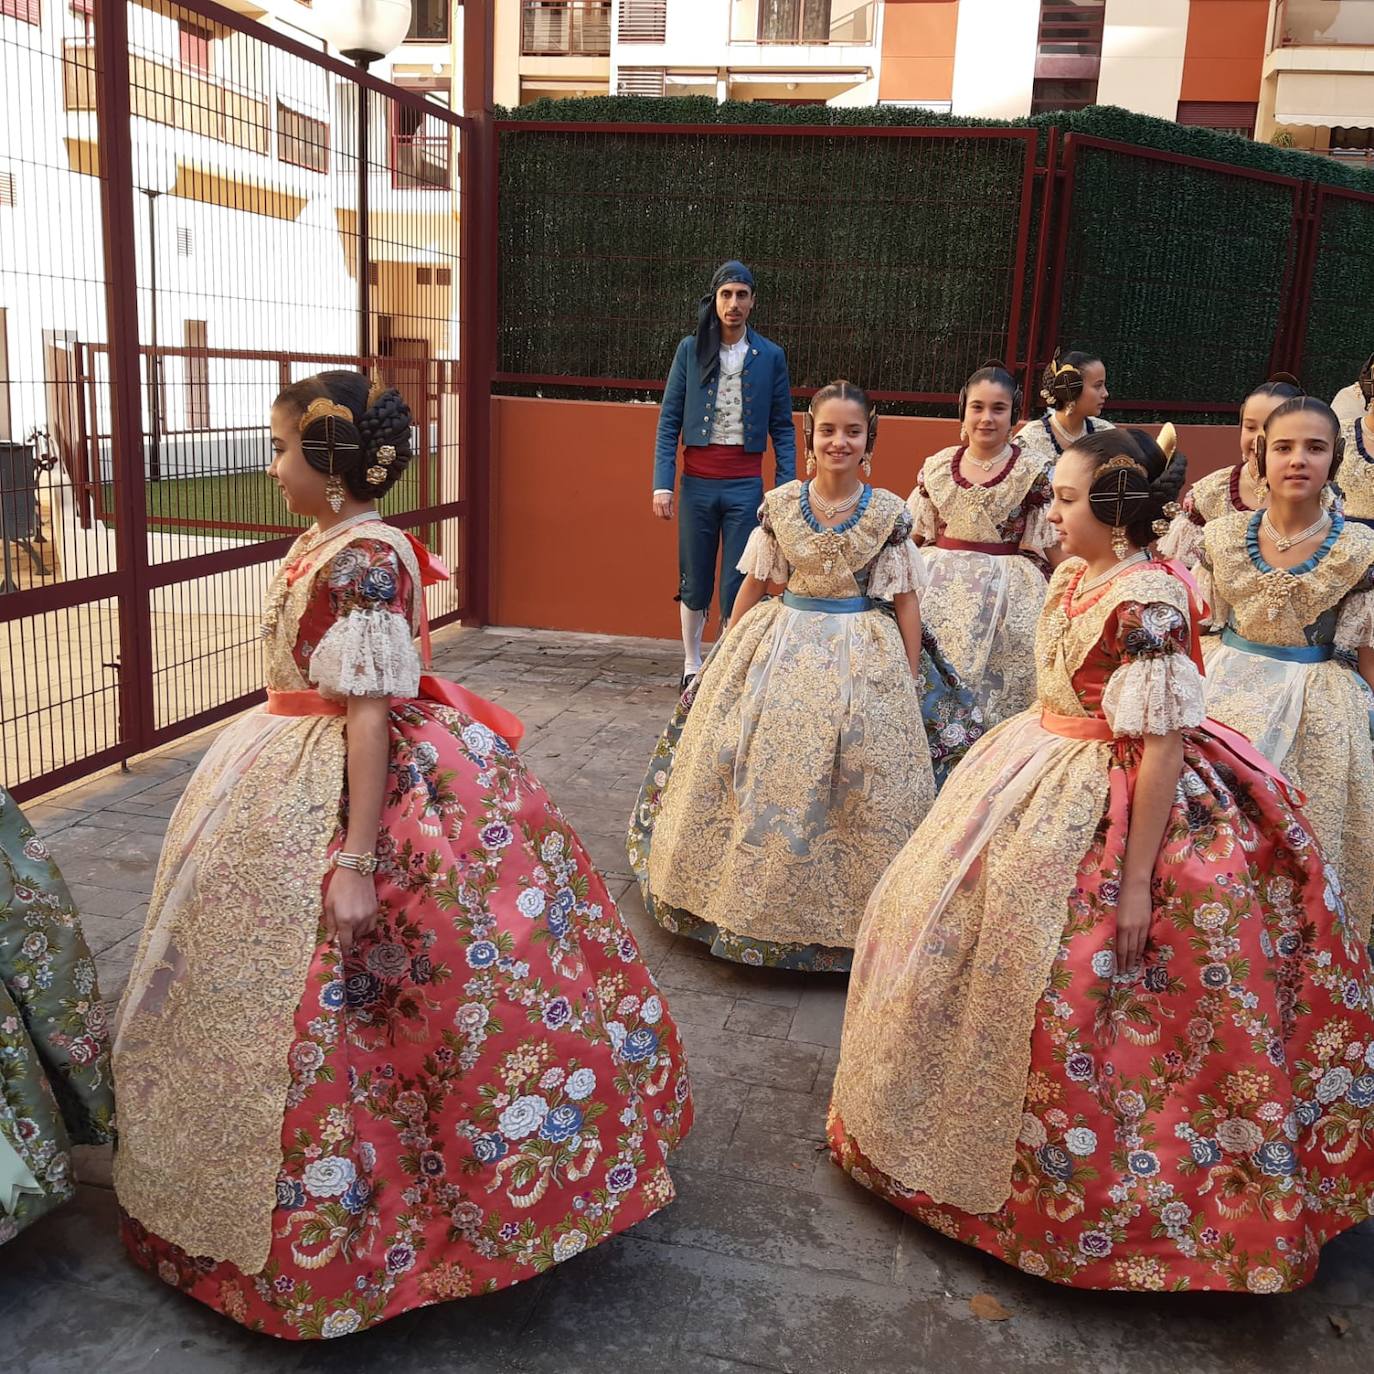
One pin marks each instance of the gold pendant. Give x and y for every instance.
(831, 546)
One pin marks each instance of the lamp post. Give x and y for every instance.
(157, 175)
(364, 31)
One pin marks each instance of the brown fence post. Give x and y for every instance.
(478, 296)
(126, 428)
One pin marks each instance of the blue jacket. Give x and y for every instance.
(689, 408)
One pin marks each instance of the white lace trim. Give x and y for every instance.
(1355, 623)
(925, 518)
(1182, 541)
(368, 653)
(1153, 696)
(1040, 535)
(763, 558)
(1217, 609)
(898, 568)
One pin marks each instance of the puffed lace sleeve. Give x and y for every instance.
(925, 518)
(899, 567)
(1040, 535)
(1183, 539)
(1355, 623)
(763, 557)
(1157, 688)
(1218, 611)
(368, 651)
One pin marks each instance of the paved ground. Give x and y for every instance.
(769, 1260)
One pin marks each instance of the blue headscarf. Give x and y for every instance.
(708, 322)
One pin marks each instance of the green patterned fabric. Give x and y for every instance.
(55, 1088)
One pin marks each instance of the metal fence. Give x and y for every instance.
(182, 239)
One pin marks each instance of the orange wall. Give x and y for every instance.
(1224, 56)
(575, 546)
(918, 50)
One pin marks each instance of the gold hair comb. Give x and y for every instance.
(375, 392)
(1167, 440)
(322, 408)
(1120, 463)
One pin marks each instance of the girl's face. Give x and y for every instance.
(987, 415)
(301, 486)
(1254, 413)
(1094, 395)
(1298, 452)
(839, 437)
(1081, 533)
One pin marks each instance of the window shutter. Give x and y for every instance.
(643, 21)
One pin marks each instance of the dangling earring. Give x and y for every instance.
(867, 466)
(1121, 546)
(963, 434)
(334, 493)
(810, 464)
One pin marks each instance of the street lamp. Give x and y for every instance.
(364, 31)
(156, 175)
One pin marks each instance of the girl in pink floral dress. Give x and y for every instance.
(387, 1040)
(1109, 1019)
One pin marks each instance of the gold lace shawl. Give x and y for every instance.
(975, 513)
(961, 934)
(208, 1019)
(1276, 607)
(824, 563)
(1211, 495)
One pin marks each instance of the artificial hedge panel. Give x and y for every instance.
(890, 260)
(609, 241)
(1340, 318)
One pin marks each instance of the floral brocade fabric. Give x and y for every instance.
(803, 765)
(55, 1086)
(983, 607)
(1204, 1123)
(489, 1084)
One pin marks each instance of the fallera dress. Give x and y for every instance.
(1209, 498)
(1356, 474)
(1204, 1123)
(1275, 677)
(54, 1043)
(984, 549)
(488, 1085)
(1040, 440)
(804, 755)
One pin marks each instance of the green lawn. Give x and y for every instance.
(241, 498)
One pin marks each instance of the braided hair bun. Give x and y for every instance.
(368, 450)
(1061, 383)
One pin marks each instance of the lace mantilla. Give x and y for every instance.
(1154, 696)
(1277, 606)
(980, 514)
(367, 653)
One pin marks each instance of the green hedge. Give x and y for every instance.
(891, 260)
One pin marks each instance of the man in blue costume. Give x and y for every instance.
(727, 392)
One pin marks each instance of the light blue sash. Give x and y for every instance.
(1285, 653)
(840, 605)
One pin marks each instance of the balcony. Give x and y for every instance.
(1323, 24)
(420, 161)
(773, 23)
(566, 28)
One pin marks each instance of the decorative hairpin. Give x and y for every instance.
(375, 392)
(376, 474)
(1168, 440)
(1121, 462)
(322, 408)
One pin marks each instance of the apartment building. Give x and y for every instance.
(1299, 69)
(246, 221)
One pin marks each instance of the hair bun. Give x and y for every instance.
(387, 420)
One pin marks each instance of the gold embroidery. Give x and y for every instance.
(804, 765)
(208, 1018)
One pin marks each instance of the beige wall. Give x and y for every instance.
(1143, 45)
(994, 57)
(506, 53)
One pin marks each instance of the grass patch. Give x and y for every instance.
(218, 505)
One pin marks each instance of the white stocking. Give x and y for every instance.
(693, 627)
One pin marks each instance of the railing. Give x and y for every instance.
(1323, 24)
(420, 162)
(166, 94)
(566, 28)
(793, 22)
